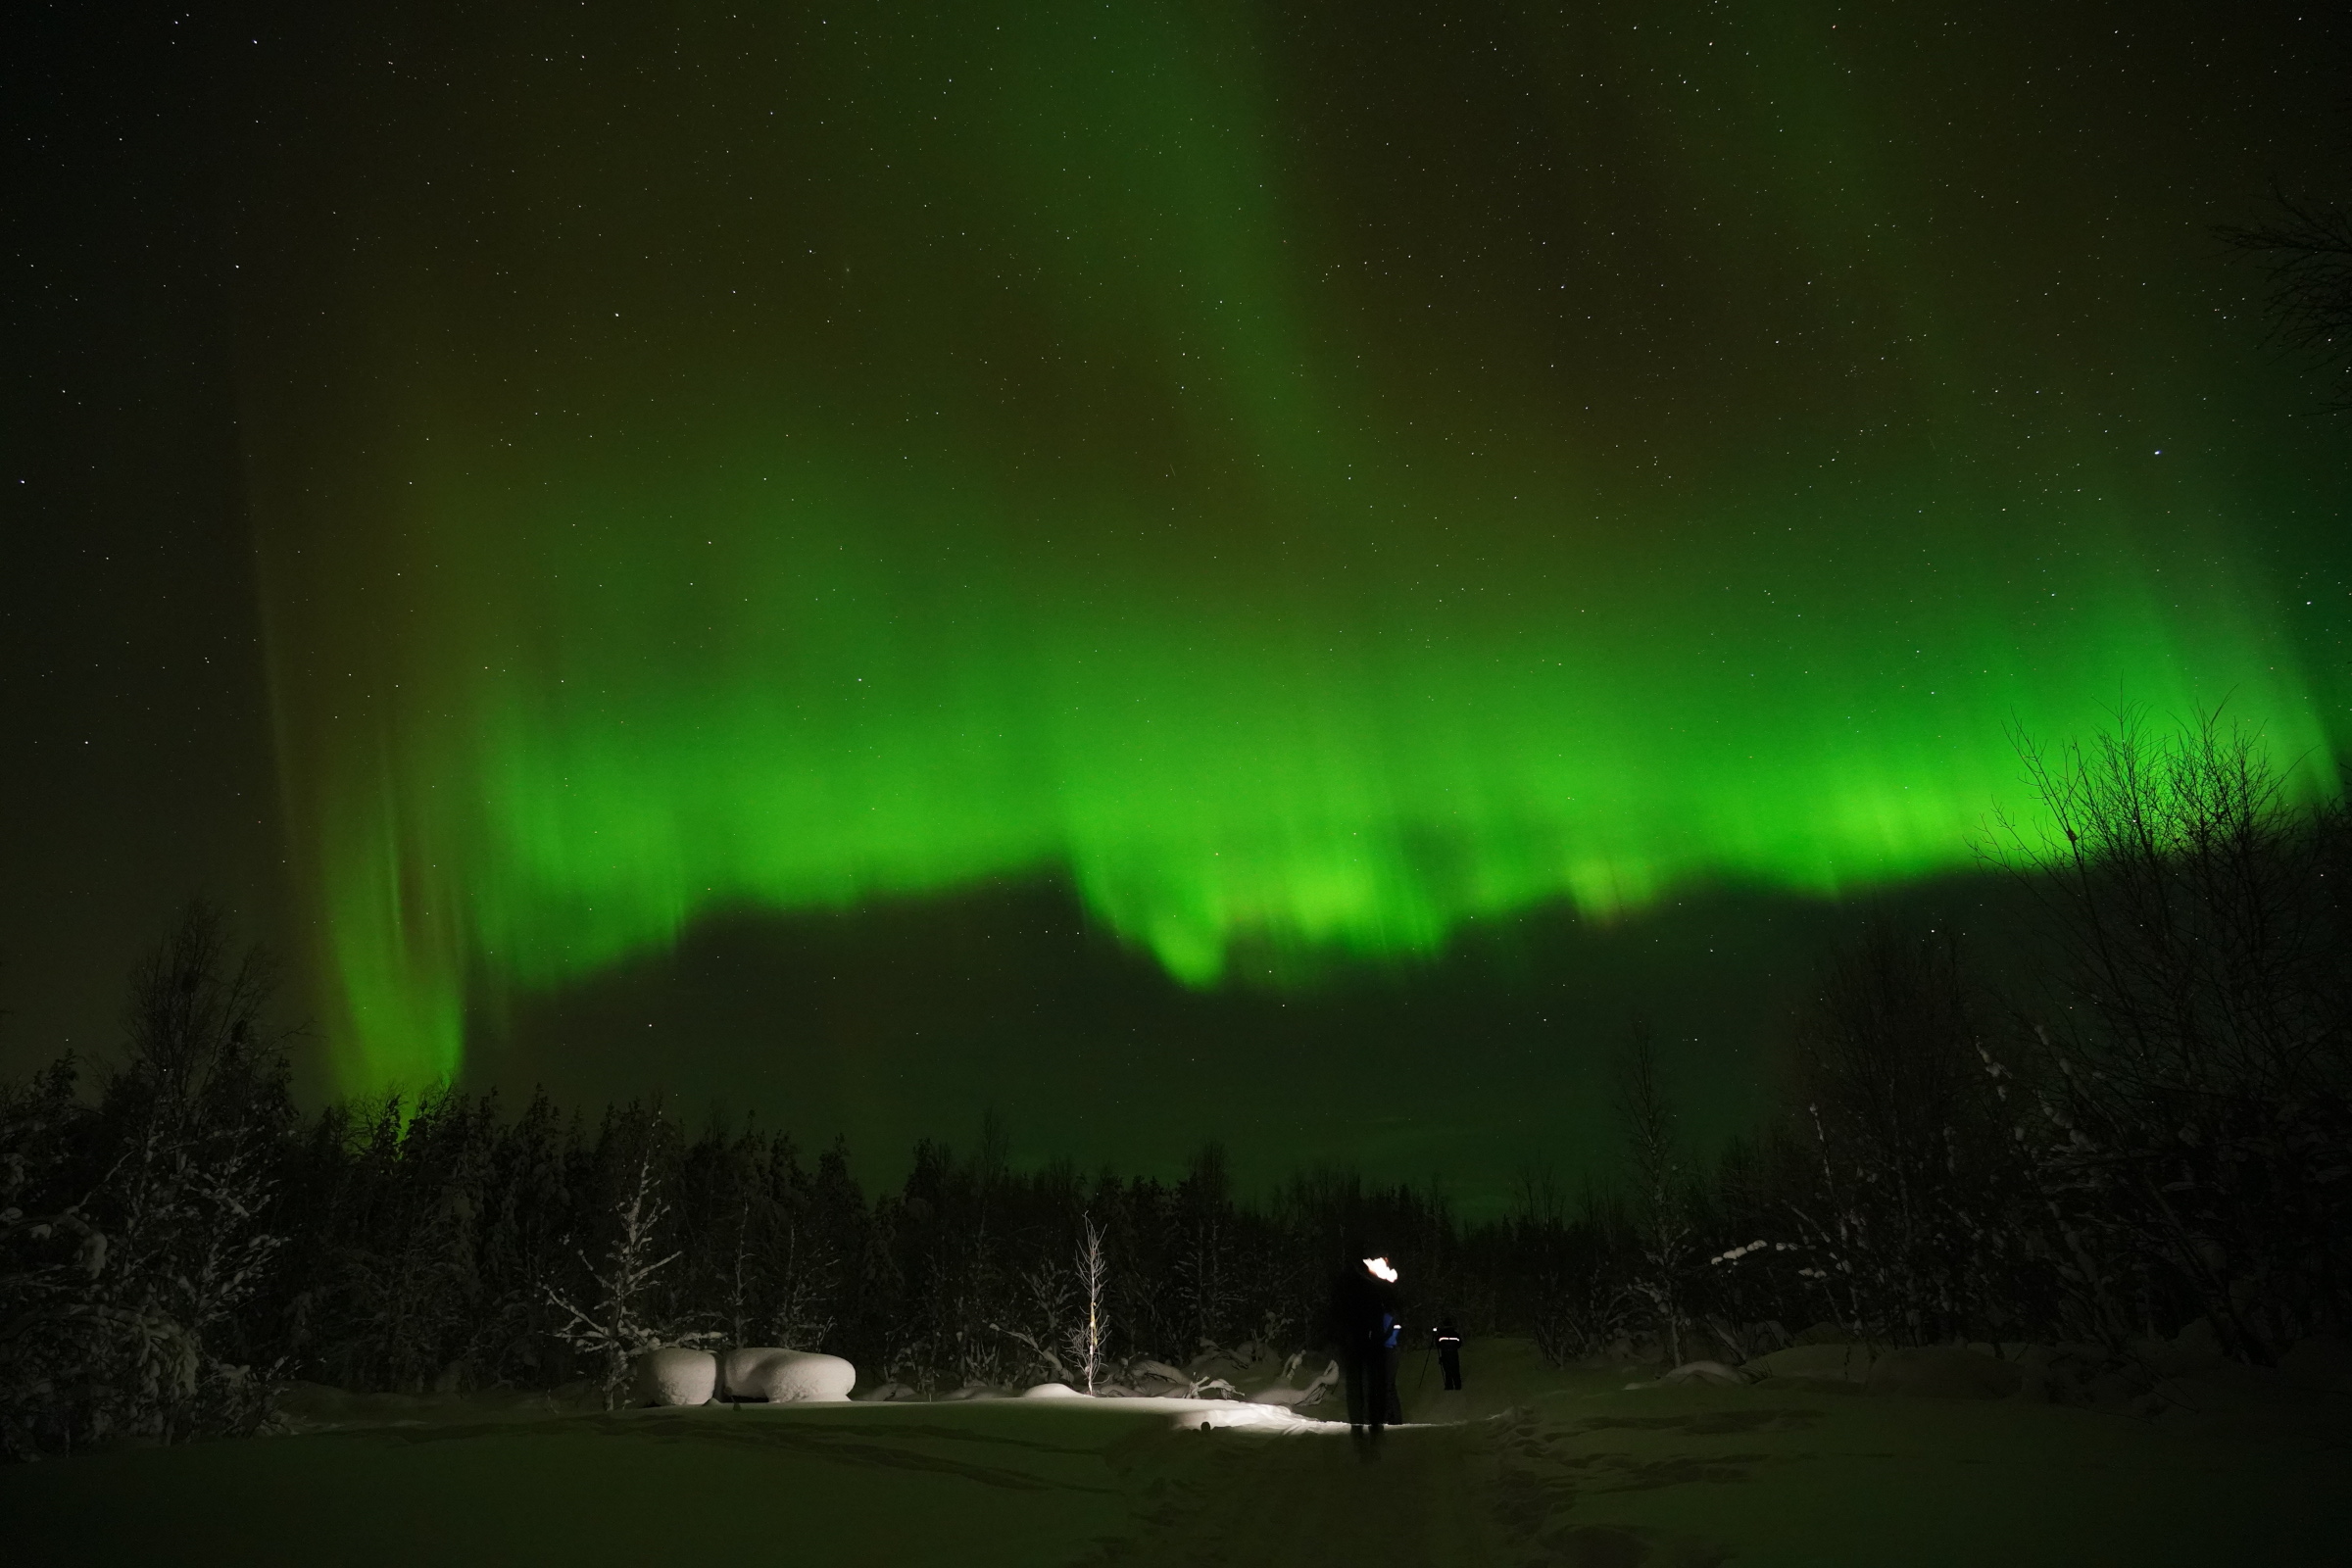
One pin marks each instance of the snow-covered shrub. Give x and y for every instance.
(1662, 1204)
(133, 1233)
(620, 1324)
(2186, 1088)
(1902, 1199)
(1068, 1329)
(50, 1256)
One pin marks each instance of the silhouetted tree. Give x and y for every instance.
(2305, 251)
(2190, 1069)
(136, 1232)
(1907, 1216)
(621, 1319)
(1659, 1199)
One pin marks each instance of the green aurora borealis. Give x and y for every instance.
(1310, 477)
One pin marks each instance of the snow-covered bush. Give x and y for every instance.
(1900, 1199)
(50, 1256)
(1662, 1204)
(622, 1322)
(2185, 1099)
(133, 1233)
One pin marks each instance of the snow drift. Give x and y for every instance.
(787, 1376)
(676, 1377)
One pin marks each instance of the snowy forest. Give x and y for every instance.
(2146, 1131)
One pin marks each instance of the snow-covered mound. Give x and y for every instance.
(1840, 1363)
(1945, 1372)
(1281, 1393)
(788, 1377)
(2320, 1362)
(676, 1377)
(1193, 1414)
(1052, 1391)
(891, 1393)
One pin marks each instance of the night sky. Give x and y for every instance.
(1259, 571)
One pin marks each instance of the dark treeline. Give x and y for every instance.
(452, 1252)
(2150, 1135)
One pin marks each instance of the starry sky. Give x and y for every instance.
(1273, 572)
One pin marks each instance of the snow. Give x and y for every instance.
(788, 1377)
(1946, 1372)
(1190, 1415)
(1530, 1463)
(676, 1377)
(1240, 1415)
(1281, 1393)
(2320, 1362)
(1940, 1371)
(1837, 1363)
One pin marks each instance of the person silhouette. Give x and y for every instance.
(1365, 1328)
(1449, 1351)
(1391, 1352)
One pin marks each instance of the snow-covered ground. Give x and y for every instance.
(1526, 1465)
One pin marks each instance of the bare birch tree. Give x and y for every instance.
(1088, 1336)
(1660, 1208)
